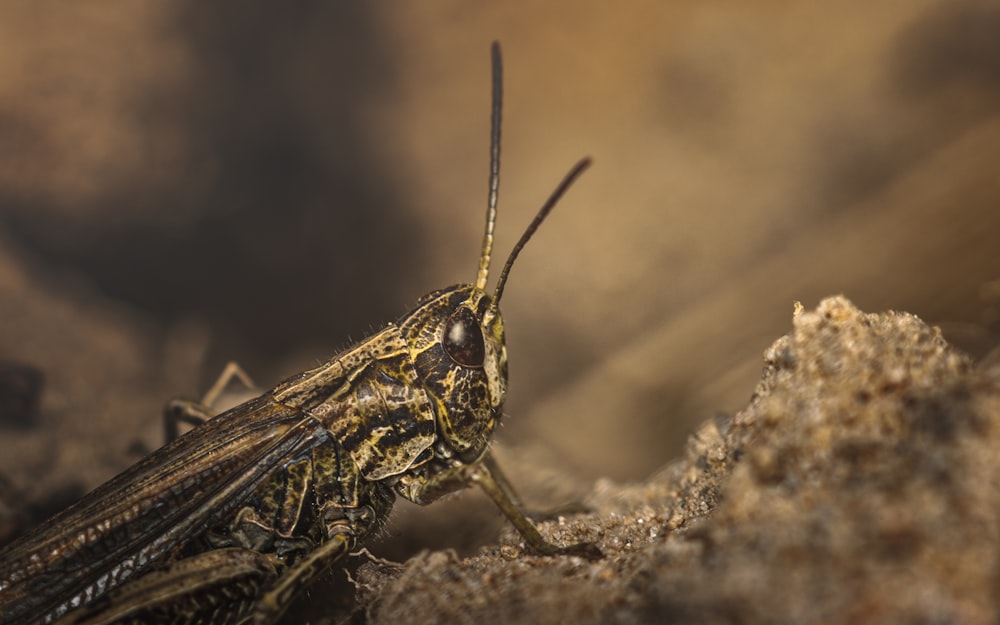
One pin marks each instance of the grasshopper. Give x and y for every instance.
(226, 523)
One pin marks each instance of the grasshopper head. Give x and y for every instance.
(456, 340)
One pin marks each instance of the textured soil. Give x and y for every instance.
(859, 485)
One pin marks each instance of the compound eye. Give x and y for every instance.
(463, 339)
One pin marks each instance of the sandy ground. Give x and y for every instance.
(859, 485)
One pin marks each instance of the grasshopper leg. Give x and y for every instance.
(547, 514)
(232, 371)
(488, 475)
(179, 411)
(221, 586)
(277, 599)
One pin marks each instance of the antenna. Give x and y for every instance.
(494, 183)
(491, 203)
(546, 208)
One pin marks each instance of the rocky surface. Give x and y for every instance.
(860, 485)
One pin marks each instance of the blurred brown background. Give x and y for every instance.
(184, 183)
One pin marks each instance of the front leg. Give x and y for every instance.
(487, 474)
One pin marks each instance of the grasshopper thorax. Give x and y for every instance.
(456, 342)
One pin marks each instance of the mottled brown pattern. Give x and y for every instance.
(311, 462)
